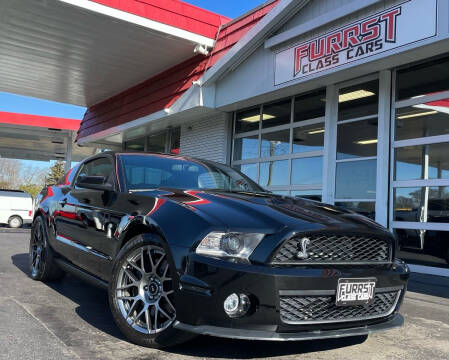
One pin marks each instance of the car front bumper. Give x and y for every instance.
(396, 321)
(206, 282)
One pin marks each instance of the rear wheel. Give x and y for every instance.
(15, 222)
(141, 294)
(41, 261)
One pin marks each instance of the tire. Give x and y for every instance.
(141, 293)
(42, 265)
(15, 222)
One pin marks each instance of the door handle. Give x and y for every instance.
(63, 202)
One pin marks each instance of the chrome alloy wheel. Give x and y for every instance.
(37, 248)
(145, 289)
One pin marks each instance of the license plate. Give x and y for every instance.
(352, 292)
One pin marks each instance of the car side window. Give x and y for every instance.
(98, 167)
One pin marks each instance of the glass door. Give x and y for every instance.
(419, 210)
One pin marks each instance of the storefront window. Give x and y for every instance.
(423, 79)
(365, 208)
(246, 148)
(358, 101)
(295, 149)
(422, 120)
(308, 194)
(156, 142)
(275, 143)
(276, 114)
(135, 144)
(273, 173)
(357, 139)
(310, 106)
(308, 138)
(356, 180)
(247, 120)
(423, 247)
(249, 170)
(175, 141)
(420, 145)
(306, 171)
(422, 204)
(422, 161)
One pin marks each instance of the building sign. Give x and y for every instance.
(400, 25)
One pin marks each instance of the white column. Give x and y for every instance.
(383, 147)
(68, 154)
(330, 144)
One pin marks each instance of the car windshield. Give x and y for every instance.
(148, 172)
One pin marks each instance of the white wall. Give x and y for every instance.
(207, 138)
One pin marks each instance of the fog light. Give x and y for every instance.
(236, 305)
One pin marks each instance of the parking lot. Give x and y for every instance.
(71, 320)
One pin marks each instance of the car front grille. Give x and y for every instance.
(333, 249)
(322, 309)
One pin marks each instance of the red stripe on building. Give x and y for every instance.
(39, 121)
(172, 12)
(162, 90)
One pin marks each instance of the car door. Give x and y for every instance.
(91, 231)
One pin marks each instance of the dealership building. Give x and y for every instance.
(343, 101)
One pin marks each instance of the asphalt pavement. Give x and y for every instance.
(71, 320)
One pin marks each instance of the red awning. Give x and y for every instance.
(48, 122)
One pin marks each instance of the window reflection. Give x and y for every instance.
(422, 204)
(423, 79)
(274, 173)
(307, 171)
(247, 120)
(308, 194)
(310, 106)
(365, 208)
(308, 138)
(276, 114)
(249, 170)
(135, 144)
(246, 148)
(175, 140)
(410, 162)
(356, 180)
(275, 143)
(428, 119)
(424, 247)
(357, 139)
(359, 100)
(156, 143)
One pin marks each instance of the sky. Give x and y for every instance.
(28, 105)
(229, 8)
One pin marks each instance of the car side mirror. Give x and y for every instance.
(94, 183)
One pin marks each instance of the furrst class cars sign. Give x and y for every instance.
(397, 26)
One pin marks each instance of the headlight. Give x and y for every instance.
(229, 245)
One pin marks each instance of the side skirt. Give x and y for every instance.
(80, 273)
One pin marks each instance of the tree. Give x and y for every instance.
(9, 174)
(33, 190)
(56, 172)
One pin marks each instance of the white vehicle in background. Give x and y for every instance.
(16, 208)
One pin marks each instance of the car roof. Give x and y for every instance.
(159, 154)
(14, 193)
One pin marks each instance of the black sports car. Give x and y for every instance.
(186, 246)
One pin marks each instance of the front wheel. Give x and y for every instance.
(141, 294)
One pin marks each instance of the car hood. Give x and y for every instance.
(267, 212)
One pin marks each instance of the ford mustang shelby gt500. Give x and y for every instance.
(187, 246)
